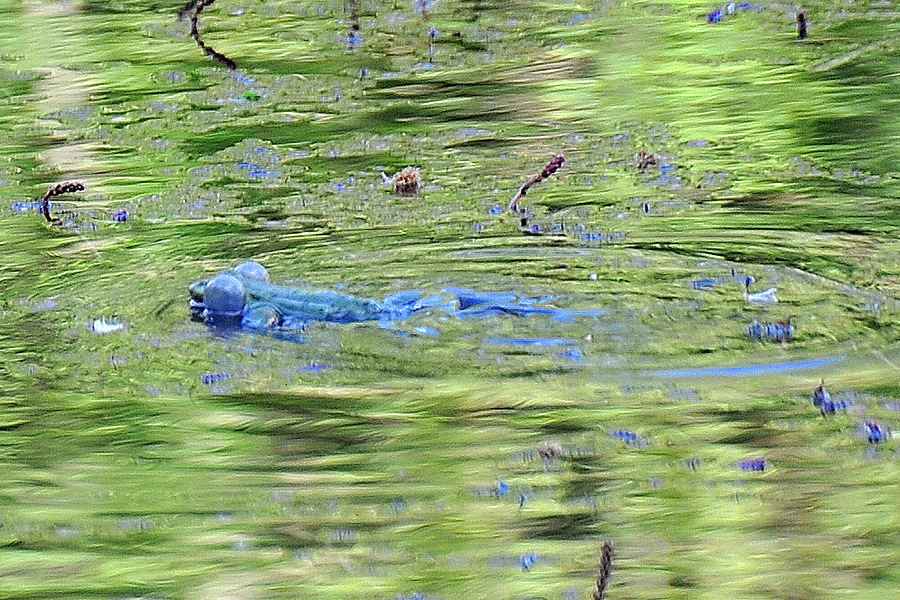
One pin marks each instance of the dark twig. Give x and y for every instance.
(194, 8)
(801, 26)
(606, 558)
(432, 35)
(645, 159)
(188, 9)
(353, 38)
(549, 170)
(67, 187)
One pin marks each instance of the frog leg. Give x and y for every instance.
(261, 316)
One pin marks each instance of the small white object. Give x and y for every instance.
(101, 326)
(764, 296)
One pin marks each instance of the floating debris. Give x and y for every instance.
(120, 216)
(820, 395)
(194, 8)
(603, 573)
(526, 561)
(314, 368)
(353, 38)
(551, 168)
(831, 407)
(704, 284)
(645, 159)
(210, 378)
(630, 438)
(874, 432)
(822, 400)
(779, 331)
(67, 187)
(752, 464)
(693, 463)
(766, 296)
(103, 326)
(405, 182)
(550, 451)
(716, 15)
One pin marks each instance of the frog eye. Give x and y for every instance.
(224, 294)
(252, 270)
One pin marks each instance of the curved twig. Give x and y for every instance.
(67, 187)
(606, 558)
(194, 8)
(549, 170)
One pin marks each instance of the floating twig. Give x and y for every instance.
(194, 8)
(606, 558)
(67, 187)
(187, 9)
(549, 170)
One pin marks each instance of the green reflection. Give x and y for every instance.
(167, 460)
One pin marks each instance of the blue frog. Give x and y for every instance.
(244, 298)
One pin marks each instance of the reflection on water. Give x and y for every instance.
(474, 451)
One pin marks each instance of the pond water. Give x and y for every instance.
(440, 457)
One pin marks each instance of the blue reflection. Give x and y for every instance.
(750, 369)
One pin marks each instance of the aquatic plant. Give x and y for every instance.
(801, 26)
(67, 187)
(432, 36)
(353, 37)
(606, 558)
(194, 8)
(551, 168)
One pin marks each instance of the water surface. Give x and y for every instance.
(167, 460)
